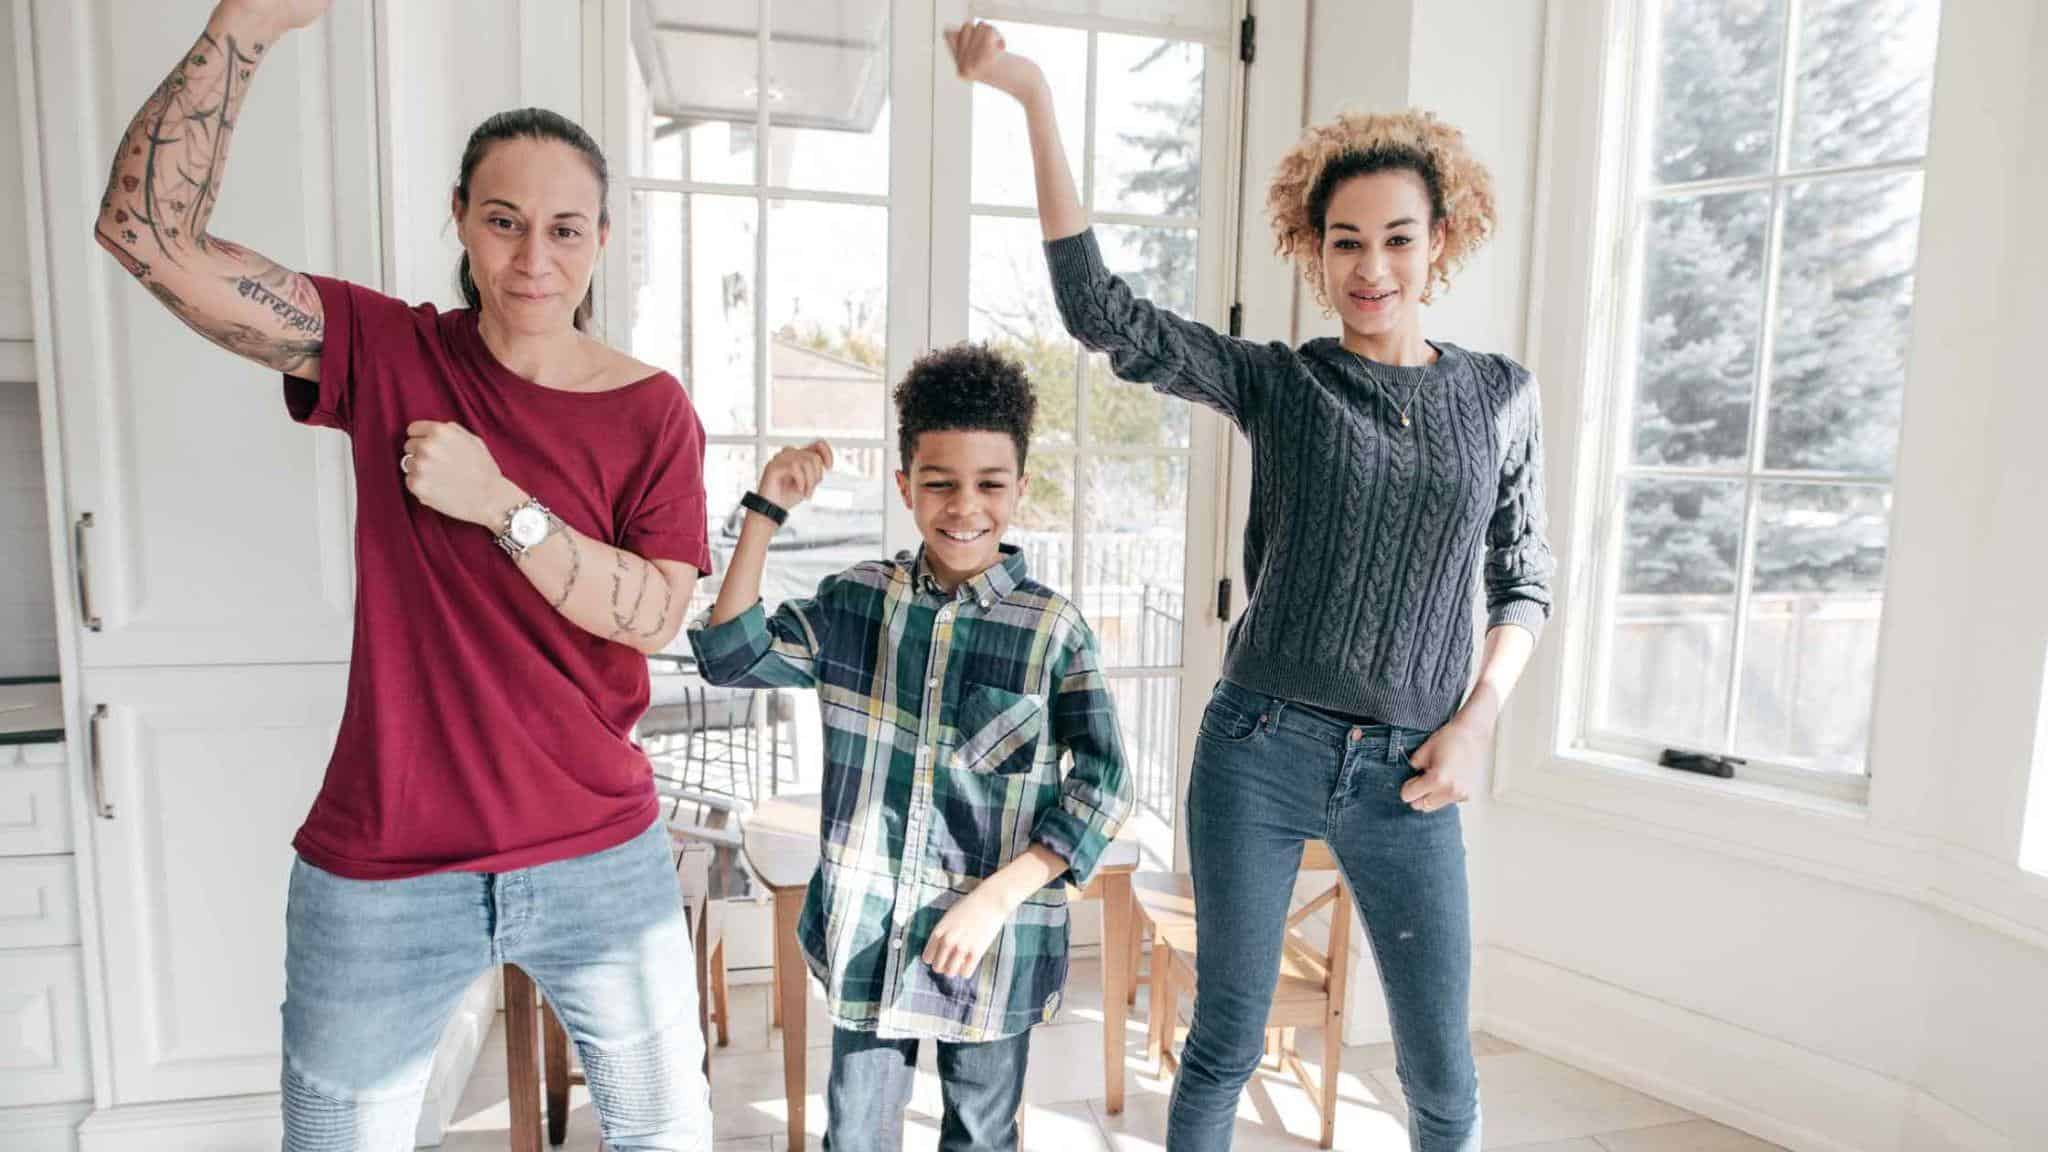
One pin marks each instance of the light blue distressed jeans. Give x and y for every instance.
(373, 969)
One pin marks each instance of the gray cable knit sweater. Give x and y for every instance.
(1360, 554)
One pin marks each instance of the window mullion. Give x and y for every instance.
(1760, 397)
(763, 14)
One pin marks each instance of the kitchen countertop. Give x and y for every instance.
(31, 713)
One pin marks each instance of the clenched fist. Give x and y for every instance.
(794, 473)
(447, 468)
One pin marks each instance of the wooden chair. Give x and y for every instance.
(1309, 993)
(707, 869)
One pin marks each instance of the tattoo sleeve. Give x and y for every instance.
(161, 189)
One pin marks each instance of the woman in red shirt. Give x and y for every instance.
(529, 524)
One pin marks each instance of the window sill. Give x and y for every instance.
(1788, 827)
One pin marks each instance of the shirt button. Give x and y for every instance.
(987, 603)
(896, 942)
(932, 683)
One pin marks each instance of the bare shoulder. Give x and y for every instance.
(611, 368)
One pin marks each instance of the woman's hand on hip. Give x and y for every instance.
(1446, 765)
(448, 468)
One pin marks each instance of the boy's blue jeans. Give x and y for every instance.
(982, 1085)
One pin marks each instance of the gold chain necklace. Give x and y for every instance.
(1400, 410)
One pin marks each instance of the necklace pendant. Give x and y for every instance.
(1404, 420)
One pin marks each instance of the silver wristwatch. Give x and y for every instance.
(525, 528)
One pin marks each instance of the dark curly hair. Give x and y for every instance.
(965, 387)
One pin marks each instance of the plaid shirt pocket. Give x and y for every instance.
(1000, 731)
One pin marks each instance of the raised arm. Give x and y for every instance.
(980, 57)
(166, 176)
(1145, 343)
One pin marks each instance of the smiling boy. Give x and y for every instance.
(972, 762)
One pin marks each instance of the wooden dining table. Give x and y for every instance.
(782, 839)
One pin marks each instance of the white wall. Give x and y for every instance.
(1826, 976)
(450, 64)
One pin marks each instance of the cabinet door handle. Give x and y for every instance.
(99, 771)
(92, 622)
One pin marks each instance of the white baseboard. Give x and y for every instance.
(222, 1124)
(1781, 1092)
(43, 1127)
(455, 1059)
(1932, 1126)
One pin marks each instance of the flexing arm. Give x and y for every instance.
(1145, 343)
(980, 57)
(166, 176)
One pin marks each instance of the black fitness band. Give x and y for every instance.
(755, 502)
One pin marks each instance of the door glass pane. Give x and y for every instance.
(1134, 589)
(691, 98)
(730, 470)
(1148, 126)
(828, 96)
(1672, 625)
(1010, 307)
(838, 527)
(1810, 654)
(1717, 88)
(1845, 303)
(828, 299)
(1001, 158)
(1044, 525)
(692, 268)
(1148, 715)
(1700, 328)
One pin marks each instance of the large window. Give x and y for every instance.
(1772, 215)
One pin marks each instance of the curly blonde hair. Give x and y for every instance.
(1460, 188)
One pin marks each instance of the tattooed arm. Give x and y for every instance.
(606, 591)
(166, 177)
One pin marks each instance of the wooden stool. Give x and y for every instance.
(1309, 993)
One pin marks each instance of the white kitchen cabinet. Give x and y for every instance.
(219, 532)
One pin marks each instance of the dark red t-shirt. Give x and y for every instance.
(483, 730)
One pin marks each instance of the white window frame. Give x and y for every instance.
(1545, 780)
(1611, 380)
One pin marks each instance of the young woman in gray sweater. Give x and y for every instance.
(1384, 466)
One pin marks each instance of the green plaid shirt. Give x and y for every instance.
(948, 718)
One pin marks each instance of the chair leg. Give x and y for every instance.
(718, 995)
(1160, 1012)
(1131, 968)
(555, 1041)
(522, 1073)
(1333, 1052)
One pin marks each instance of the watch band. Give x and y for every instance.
(755, 502)
(512, 547)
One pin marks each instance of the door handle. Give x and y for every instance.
(85, 614)
(99, 772)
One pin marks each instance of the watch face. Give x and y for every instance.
(529, 527)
